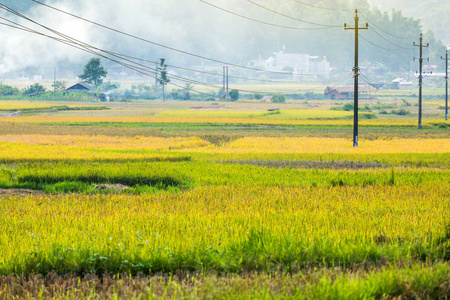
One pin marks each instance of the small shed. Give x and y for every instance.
(82, 87)
(346, 92)
(402, 84)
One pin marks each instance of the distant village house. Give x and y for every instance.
(347, 92)
(82, 87)
(296, 64)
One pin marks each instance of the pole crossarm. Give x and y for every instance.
(356, 75)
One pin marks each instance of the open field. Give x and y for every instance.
(232, 200)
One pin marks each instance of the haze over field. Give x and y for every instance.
(204, 30)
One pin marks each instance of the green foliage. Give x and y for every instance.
(108, 86)
(400, 112)
(259, 96)
(234, 95)
(162, 78)
(162, 68)
(93, 72)
(6, 90)
(33, 90)
(59, 86)
(278, 98)
(350, 107)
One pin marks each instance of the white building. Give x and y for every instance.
(296, 63)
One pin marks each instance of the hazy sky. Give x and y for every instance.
(188, 25)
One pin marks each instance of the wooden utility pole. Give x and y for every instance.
(228, 95)
(421, 46)
(156, 78)
(356, 75)
(446, 84)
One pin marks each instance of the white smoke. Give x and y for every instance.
(188, 25)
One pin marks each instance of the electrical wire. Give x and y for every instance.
(389, 40)
(216, 74)
(230, 76)
(139, 68)
(96, 53)
(262, 22)
(375, 45)
(289, 17)
(374, 24)
(153, 43)
(321, 7)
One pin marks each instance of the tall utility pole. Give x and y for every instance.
(54, 79)
(156, 78)
(356, 76)
(227, 83)
(223, 81)
(421, 46)
(446, 84)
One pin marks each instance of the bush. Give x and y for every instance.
(278, 98)
(259, 96)
(34, 90)
(234, 95)
(6, 90)
(400, 112)
(348, 107)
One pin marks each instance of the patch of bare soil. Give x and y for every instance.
(114, 188)
(13, 192)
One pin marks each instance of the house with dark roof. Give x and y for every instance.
(346, 92)
(82, 87)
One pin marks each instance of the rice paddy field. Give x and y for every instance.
(246, 200)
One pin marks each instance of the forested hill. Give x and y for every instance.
(433, 14)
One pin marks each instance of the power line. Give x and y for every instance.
(375, 45)
(374, 24)
(136, 67)
(87, 47)
(151, 42)
(216, 74)
(389, 40)
(289, 17)
(142, 69)
(232, 76)
(262, 22)
(321, 7)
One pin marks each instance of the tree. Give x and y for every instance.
(186, 91)
(6, 90)
(163, 79)
(278, 98)
(93, 72)
(234, 95)
(34, 90)
(59, 86)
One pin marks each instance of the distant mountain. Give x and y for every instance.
(433, 13)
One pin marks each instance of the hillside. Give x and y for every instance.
(433, 14)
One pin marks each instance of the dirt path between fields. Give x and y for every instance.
(4, 193)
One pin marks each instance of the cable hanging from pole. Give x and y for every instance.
(289, 17)
(151, 42)
(263, 22)
(142, 69)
